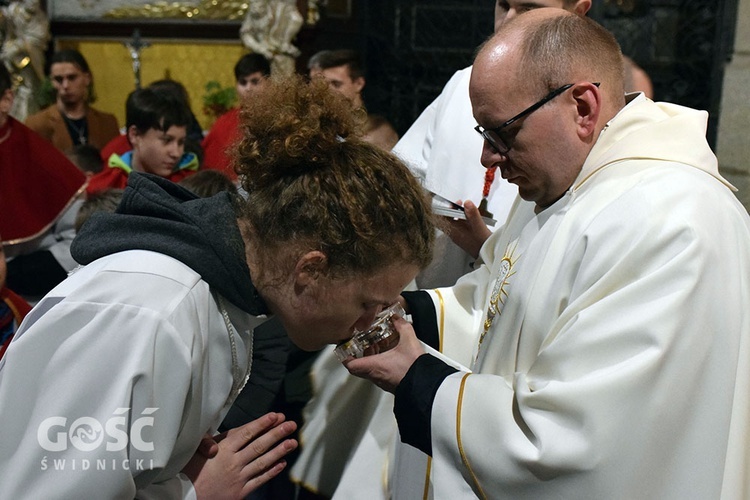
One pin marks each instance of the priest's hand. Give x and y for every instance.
(387, 369)
(247, 457)
(469, 234)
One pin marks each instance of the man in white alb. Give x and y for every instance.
(443, 151)
(602, 364)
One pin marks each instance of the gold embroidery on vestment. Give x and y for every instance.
(499, 289)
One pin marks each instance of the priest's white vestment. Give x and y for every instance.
(608, 335)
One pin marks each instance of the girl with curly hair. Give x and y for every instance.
(135, 357)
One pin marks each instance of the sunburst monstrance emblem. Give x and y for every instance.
(500, 289)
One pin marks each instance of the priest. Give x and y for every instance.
(603, 363)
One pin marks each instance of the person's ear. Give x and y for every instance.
(310, 267)
(582, 7)
(359, 83)
(133, 135)
(588, 99)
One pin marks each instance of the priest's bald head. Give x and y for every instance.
(542, 89)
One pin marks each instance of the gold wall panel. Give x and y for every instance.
(191, 63)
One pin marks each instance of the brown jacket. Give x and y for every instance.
(49, 123)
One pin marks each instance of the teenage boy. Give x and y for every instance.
(251, 73)
(71, 120)
(156, 128)
(344, 72)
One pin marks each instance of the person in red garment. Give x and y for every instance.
(157, 123)
(39, 193)
(251, 73)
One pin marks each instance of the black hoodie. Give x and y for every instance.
(202, 233)
(156, 214)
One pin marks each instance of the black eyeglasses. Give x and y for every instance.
(492, 135)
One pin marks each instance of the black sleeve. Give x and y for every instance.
(271, 348)
(34, 274)
(424, 317)
(414, 397)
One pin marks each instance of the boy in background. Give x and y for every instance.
(251, 73)
(344, 72)
(87, 158)
(157, 123)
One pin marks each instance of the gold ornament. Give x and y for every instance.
(223, 10)
(499, 290)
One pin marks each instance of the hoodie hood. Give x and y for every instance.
(647, 130)
(158, 215)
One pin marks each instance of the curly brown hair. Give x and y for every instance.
(314, 184)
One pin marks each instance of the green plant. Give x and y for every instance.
(45, 94)
(218, 100)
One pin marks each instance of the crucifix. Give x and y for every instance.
(135, 45)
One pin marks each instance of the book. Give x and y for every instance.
(447, 208)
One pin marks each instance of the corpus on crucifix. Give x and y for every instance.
(135, 45)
